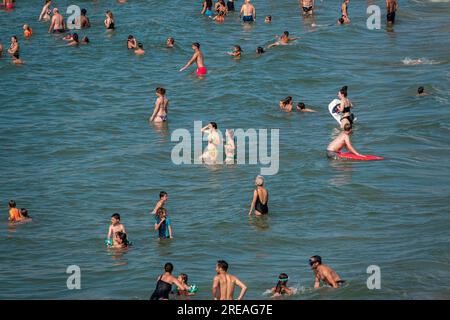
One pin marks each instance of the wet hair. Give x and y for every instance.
(170, 39)
(12, 204)
(420, 90)
(282, 281)
(47, 1)
(196, 44)
(116, 216)
(259, 181)
(214, 125)
(85, 39)
(75, 37)
(130, 37)
(14, 37)
(269, 17)
(260, 50)
(140, 45)
(110, 14)
(287, 100)
(168, 267)
(123, 236)
(162, 193)
(161, 211)
(286, 33)
(344, 91)
(162, 91)
(315, 259)
(24, 212)
(341, 20)
(348, 127)
(222, 264)
(238, 48)
(301, 105)
(184, 276)
(83, 12)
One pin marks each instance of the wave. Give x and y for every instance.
(412, 62)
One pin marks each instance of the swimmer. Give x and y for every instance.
(9, 4)
(24, 215)
(260, 198)
(161, 106)
(260, 50)
(210, 154)
(162, 224)
(421, 92)
(198, 58)
(140, 49)
(220, 18)
(308, 7)
(68, 37)
(46, 12)
(344, 13)
(268, 19)
(225, 283)
(109, 21)
(283, 40)
(74, 41)
(131, 42)
(58, 25)
(183, 278)
(342, 141)
(248, 12)
(170, 43)
(165, 282)
(85, 40)
(1, 49)
(14, 213)
(84, 20)
(163, 197)
(207, 8)
(286, 104)
(230, 5)
(281, 288)
(230, 147)
(345, 107)
(115, 226)
(302, 108)
(14, 50)
(27, 31)
(391, 8)
(324, 273)
(220, 6)
(236, 52)
(120, 240)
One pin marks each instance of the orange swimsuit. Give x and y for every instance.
(14, 214)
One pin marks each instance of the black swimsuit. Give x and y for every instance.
(162, 290)
(260, 207)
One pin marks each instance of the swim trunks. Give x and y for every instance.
(307, 9)
(16, 54)
(59, 31)
(247, 18)
(163, 118)
(333, 155)
(391, 17)
(201, 71)
(230, 5)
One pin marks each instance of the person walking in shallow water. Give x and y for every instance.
(260, 198)
(225, 283)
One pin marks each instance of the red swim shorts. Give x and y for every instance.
(201, 71)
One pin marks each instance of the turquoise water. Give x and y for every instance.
(76, 147)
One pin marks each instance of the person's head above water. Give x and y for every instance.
(85, 40)
(163, 194)
(260, 50)
(83, 12)
(315, 261)
(286, 33)
(161, 212)
(24, 212)
(183, 277)
(170, 41)
(161, 91)
(116, 216)
(237, 48)
(343, 91)
(268, 19)
(55, 10)
(282, 282)
(11, 204)
(122, 238)
(75, 37)
(301, 106)
(196, 45)
(420, 90)
(140, 45)
(287, 100)
(348, 128)
(130, 37)
(168, 267)
(214, 125)
(222, 265)
(259, 181)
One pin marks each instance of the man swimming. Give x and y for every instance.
(342, 141)
(283, 40)
(198, 58)
(248, 12)
(391, 8)
(324, 273)
(224, 283)
(170, 42)
(161, 106)
(308, 7)
(302, 108)
(58, 24)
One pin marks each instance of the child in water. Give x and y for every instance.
(27, 31)
(236, 52)
(220, 18)
(183, 278)
(281, 288)
(163, 225)
(120, 240)
(115, 227)
(140, 49)
(302, 108)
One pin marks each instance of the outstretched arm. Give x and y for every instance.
(194, 57)
(349, 146)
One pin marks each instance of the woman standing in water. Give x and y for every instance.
(260, 198)
(207, 8)
(345, 107)
(165, 282)
(46, 11)
(109, 21)
(161, 106)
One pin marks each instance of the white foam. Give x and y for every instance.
(413, 62)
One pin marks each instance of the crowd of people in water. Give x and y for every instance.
(117, 238)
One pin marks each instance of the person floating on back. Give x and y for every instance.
(323, 273)
(198, 58)
(224, 283)
(342, 141)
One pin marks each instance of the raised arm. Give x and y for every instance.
(243, 288)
